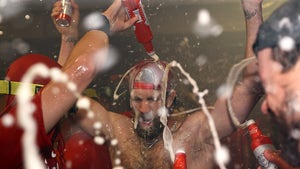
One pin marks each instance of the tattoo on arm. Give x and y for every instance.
(249, 14)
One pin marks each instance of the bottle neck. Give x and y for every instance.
(254, 131)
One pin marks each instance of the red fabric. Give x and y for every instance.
(142, 85)
(79, 149)
(20, 66)
(52, 146)
(10, 141)
(82, 152)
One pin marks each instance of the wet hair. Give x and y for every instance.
(284, 22)
(148, 74)
(286, 59)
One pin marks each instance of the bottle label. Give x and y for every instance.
(137, 14)
(143, 17)
(259, 154)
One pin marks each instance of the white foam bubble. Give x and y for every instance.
(222, 155)
(99, 140)
(83, 103)
(93, 20)
(205, 26)
(7, 120)
(114, 142)
(97, 125)
(286, 43)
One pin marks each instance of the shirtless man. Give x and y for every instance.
(140, 143)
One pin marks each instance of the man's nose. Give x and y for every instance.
(144, 106)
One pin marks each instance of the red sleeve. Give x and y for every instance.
(10, 136)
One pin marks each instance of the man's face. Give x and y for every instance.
(282, 90)
(146, 104)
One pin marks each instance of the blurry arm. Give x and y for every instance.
(247, 93)
(69, 35)
(274, 157)
(118, 21)
(82, 66)
(89, 120)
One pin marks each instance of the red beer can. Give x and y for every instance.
(180, 160)
(65, 17)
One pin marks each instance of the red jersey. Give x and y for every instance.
(79, 151)
(51, 144)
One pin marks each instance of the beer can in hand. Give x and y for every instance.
(65, 17)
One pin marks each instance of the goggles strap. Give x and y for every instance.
(11, 87)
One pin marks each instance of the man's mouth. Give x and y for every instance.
(146, 123)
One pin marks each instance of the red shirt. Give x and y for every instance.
(79, 149)
(51, 145)
(81, 152)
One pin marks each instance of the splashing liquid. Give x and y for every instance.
(230, 82)
(201, 100)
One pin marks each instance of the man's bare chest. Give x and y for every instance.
(136, 155)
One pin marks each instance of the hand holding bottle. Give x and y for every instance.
(274, 157)
(70, 31)
(117, 17)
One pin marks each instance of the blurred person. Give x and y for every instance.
(277, 48)
(48, 109)
(81, 66)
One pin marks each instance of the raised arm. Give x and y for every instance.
(81, 69)
(69, 34)
(118, 21)
(247, 93)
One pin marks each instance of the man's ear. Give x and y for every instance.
(171, 98)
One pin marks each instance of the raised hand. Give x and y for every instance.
(118, 18)
(70, 32)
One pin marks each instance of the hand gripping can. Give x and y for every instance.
(141, 27)
(180, 160)
(64, 18)
(260, 143)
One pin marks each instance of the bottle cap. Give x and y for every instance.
(180, 151)
(249, 122)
